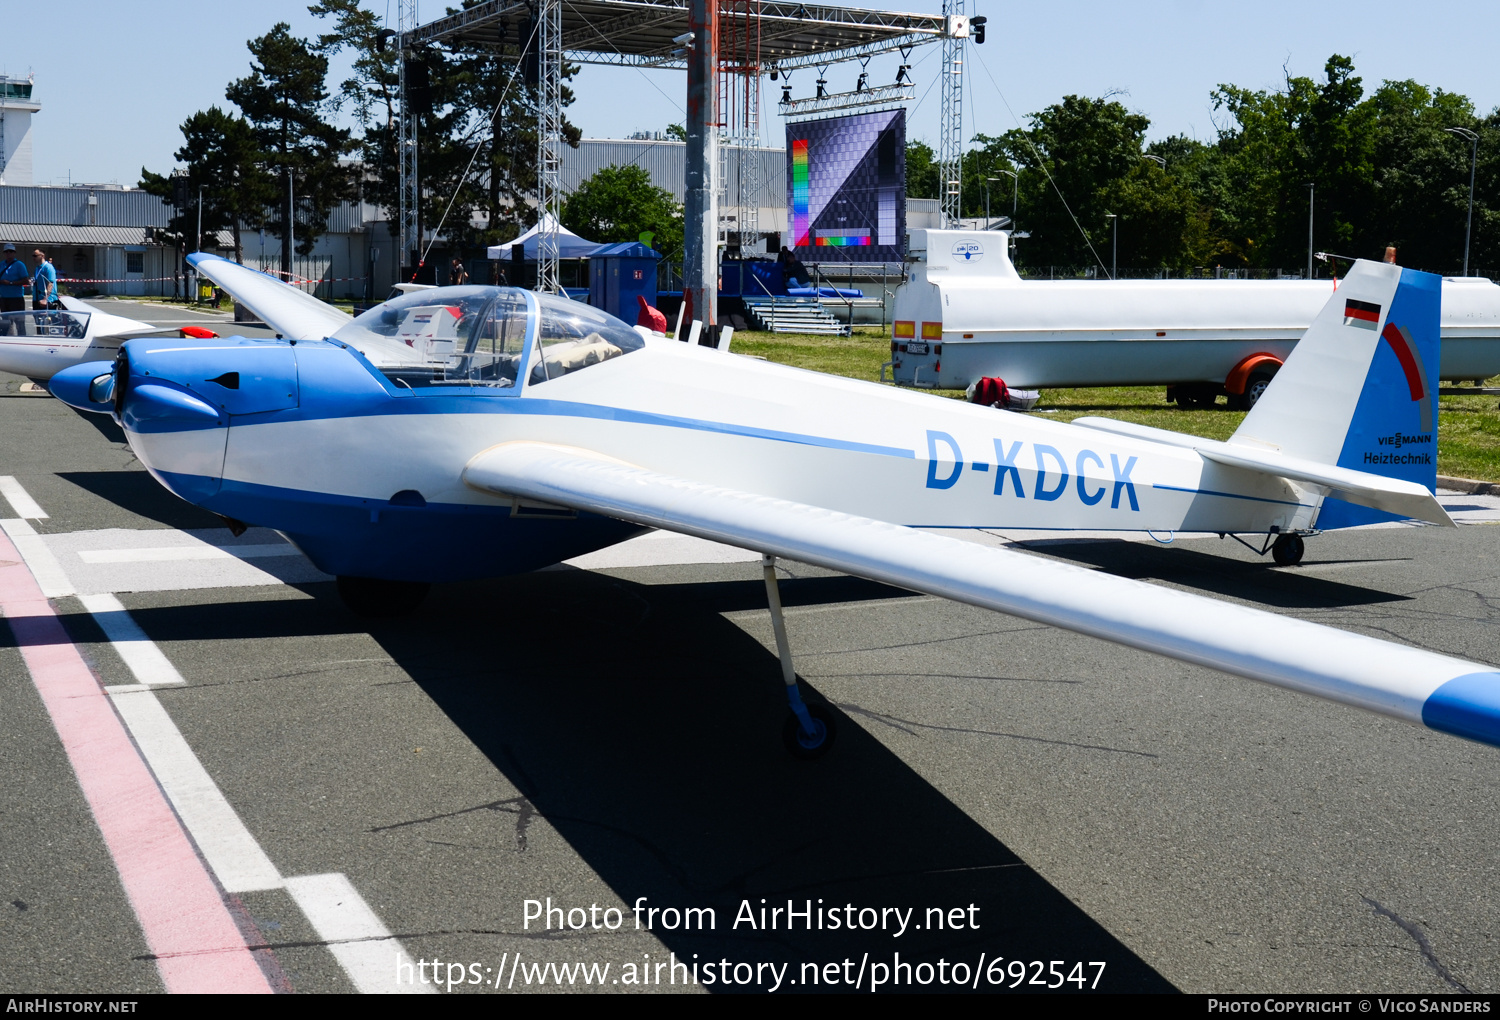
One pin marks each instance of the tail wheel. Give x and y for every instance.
(1287, 550)
(374, 598)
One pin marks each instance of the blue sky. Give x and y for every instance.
(116, 79)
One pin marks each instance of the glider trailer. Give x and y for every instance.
(964, 313)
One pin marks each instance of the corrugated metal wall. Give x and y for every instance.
(666, 162)
(70, 206)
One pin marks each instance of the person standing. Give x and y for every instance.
(457, 274)
(43, 283)
(13, 281)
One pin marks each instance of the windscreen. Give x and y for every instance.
(574, 336)
(445, 335)
(48, 325)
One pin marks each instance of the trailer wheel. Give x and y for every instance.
(1196, 396)
(1255, 388)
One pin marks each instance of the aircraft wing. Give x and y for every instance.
(289, 311)
(108, 326)
(1397, 680)
(1393, 495)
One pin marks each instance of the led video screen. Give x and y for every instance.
(846, 188)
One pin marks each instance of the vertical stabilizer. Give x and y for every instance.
(1359, 389)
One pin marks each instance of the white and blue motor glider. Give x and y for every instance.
(471, 432)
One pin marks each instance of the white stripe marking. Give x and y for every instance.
(370, 955)
(39, 559)
(140, 653)
(331, 903)
(233, 854)
(19, 499)
(190, 552)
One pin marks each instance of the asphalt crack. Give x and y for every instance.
(1420, 938)
(903, 725)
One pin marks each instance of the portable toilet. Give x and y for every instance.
(618, 273)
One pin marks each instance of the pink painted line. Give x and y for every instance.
(198, 947)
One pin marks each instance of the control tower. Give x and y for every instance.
(16, 108)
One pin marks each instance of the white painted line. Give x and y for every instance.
(370, 955)
(19, 499)
(190, 552)
(331, 903)
(39, 559)
(140, 653)
(233, 854)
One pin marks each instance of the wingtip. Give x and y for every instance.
(1466, 706)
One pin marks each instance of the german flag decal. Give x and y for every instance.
(1361, 313)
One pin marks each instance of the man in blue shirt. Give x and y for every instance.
(44, 283)
(14, 279)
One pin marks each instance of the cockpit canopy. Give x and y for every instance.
(479, 336)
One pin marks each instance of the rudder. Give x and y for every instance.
(1359, 389)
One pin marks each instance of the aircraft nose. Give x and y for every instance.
(216, 378)
(88, 387)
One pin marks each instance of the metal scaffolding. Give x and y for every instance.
(652, 33)
(549, 143)
(739, 120)
(951, 118)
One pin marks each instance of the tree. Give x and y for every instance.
(619, 203)
(1079, 161)
(286, 101)
(477, 126)
(223, 158)
(921, 170)
(677, 132)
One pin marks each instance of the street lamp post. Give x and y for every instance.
(1114, 245)
(1015, 191)
(1310, 192)
(1473, 137)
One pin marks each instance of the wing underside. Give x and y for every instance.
(1372, 674)
(291, 312)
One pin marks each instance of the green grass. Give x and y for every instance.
(1468, 427)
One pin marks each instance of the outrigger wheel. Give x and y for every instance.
(809, 746)
(377, 599)
(1287, 550)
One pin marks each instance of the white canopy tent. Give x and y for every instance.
(569, 245)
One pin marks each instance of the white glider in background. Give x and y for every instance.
(513, 430)
(40, 344)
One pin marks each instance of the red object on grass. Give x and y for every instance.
(650, 317)
(992, 392)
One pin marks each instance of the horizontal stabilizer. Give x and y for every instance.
(1397, 680)
(293, 313)
(1393, 495)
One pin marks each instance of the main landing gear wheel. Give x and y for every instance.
(376, 599)
(805, 746)
(1287, 550)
